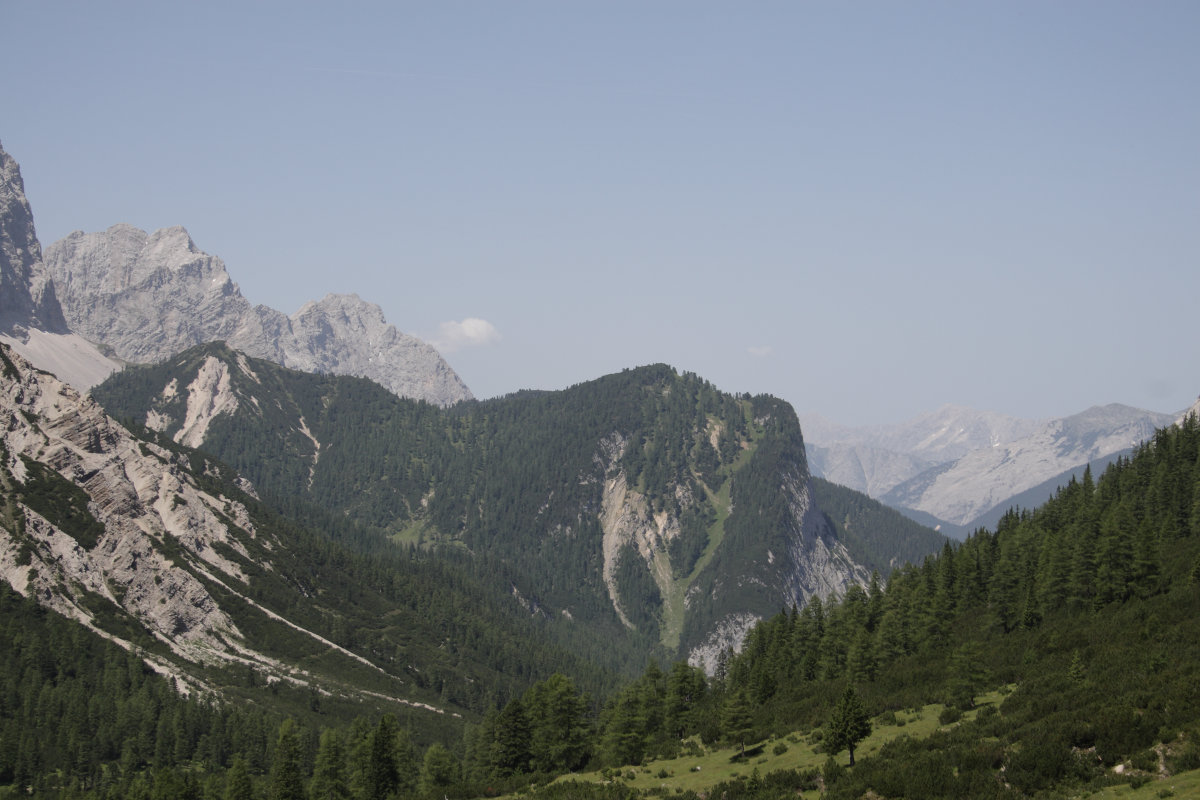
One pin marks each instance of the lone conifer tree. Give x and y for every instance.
(849, 724)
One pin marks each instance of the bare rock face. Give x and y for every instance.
(27, 299)
(31, 319)
(141, 294)
(149, 296)
(95, 522)
(139, 499)
(808, 562)
(345, 335)
(1194, 411)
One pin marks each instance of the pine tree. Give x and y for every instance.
(849, 724)
(686, 688)
(238, 785)
(287, 767)
(329, 769)
(439, 771)
(510, 750)
(862, 663)
(623, 741)
(875, 602)
(968, 674)
(1076, 671)
(1002, 594)
(736, 723)
(381, 776)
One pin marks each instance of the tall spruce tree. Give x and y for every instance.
(287, 767)
(329, 769)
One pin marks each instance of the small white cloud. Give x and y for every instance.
(759, 352)
(471, 332)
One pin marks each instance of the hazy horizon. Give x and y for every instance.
(869, 211)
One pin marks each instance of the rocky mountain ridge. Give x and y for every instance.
(27, 298)
(148, 296)
(98, 522)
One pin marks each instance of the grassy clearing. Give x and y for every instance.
(1183, 785)
(708, 766)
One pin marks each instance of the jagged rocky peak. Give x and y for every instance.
(144, 294)
(124, 257)
(27, 298)
(150, 296)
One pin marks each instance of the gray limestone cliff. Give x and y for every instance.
(138, 496)
(142, 538)
(148, 296)
(31, 319)
(27, 299)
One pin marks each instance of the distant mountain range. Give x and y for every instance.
(959, 469)
(97, 301)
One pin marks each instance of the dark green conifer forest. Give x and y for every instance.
(518, 483)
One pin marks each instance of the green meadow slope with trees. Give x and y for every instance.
(1085, 613)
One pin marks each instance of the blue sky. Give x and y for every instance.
(869, 209)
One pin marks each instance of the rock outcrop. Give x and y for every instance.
(31, 319)
(100, 525)
(1193, 411)
(27, 298)
(149, 296)
(138, 499)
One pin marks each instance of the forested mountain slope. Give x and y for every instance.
(160, 548)
(1083, 612)
(646, 504)
(1089, 606)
